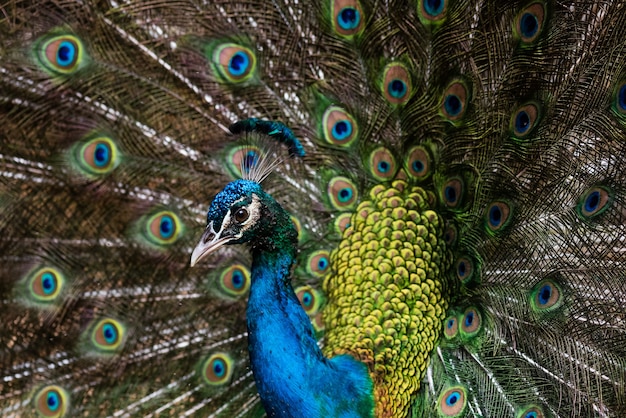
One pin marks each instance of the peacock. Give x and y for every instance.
(336, 208)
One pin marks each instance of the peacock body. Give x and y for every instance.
(452, 225)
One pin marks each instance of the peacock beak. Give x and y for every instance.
(209, 242)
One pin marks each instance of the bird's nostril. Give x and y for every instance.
(208, 238)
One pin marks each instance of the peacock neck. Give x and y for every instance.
(281, 342)
(293, 377)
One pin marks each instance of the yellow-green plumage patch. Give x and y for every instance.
(388, 297)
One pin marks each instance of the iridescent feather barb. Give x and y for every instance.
(455, 230)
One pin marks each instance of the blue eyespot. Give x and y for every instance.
(97, 156)
(396, 83)
(522, 122)
(53, 401)
(110, 333)
(450, 194)
(318, 263)
(307, 299)
(529, 25)
(342, 193)
(107, 335)
(524, 119)
(339, 127)
(382, 164)
(238, 280)
(48, 283)
(469, 319)
(345, 194)
(593, 201)
(163, 228)
(453, 398)
(453, 105)
(167, 226)
(530, 22)
(431, 11)
(239, 64)
(235, 280)
(461, 270)
(101, 155)
(66, 53)
(61, 54)
(498, 215)
(233, 63)
(418, 162)
(471, 323)
(322, 263)
(349, 18)
(495, 216)
(452, 402)
(45, 285)
(310, 299)
(531, 412)
(217, 369)
(544, 294)
(397, 88)
(342, 130)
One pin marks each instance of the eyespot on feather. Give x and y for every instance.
(97, 156)
(233, 63)
(497, 216)
(61, 54)
(235, 280)
(309, 299)
(454, 101)
(532, 411)
(432, 11)
(46, 284)
(419, 162)
(471, 322)
(546, 296)
(243, 159)
(318, 263)
(51, 401)
(339, 127)
(450, 327)
(530, 22)
(452, 402)
(217, 370)
(163, 228)
(396, 86)
(108, 335)
(342, 193)
(452, 192)
(347, 17)
(524, 120)
(382, 164)
(594, 202)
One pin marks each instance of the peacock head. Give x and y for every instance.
(243, 213)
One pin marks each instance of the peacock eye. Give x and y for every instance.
(241, 215)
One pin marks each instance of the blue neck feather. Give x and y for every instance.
(293, 377)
